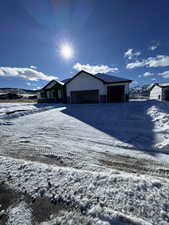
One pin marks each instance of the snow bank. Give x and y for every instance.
(105, 198)
(15, 110)
(159, 113)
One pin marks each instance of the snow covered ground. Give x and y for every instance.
(109, 160)
(80, 135)
(86, 197)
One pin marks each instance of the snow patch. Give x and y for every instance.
(104, 197)
(19, 215)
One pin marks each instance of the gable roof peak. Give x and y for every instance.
(105, 78)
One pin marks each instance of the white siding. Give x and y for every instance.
(156, 92)
(85, 82)
(39, 95)
(59, 94)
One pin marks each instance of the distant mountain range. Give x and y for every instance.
(140, 91)
(18, 91)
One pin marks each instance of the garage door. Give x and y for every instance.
(115, 93)
(79, 97)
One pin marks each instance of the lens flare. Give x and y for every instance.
(66, 51)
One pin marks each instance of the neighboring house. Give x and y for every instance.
(87, 88)
(54, 91)
(159, 91)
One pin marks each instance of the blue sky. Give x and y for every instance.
(126, 38)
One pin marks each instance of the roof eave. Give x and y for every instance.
(155, 84)
(116, 82)
(125, 81)
(48, 84)
(82, 71)
(163, 86)
(51, 82)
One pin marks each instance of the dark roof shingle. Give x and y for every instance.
(110, 79)
(65, 80)
(105, 78)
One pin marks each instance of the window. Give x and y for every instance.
(59, 94)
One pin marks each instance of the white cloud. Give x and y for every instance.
(33, 67)
(148, 74)
(94, 69)
(135, 64)
(165, 74)
(154, 46)
(135, 83)
(28, 83)
(130, 54)
(37, 88)
(157, 61)
(24, 73)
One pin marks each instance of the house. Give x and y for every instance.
(85, 87)
(52, 92)
(159, 91)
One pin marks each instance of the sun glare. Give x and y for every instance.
(66, 51)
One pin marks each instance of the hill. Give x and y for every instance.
(18, 91)
(139, 91)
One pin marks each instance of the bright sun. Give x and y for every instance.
(66, 51)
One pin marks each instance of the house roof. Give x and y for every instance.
(111, 79)
(105, 78)
(161, 85)
(66, 80)
(54, 83)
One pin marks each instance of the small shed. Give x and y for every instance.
(159, 91)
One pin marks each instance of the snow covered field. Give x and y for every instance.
(94, 198)
(80, 136)
(109, 161)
